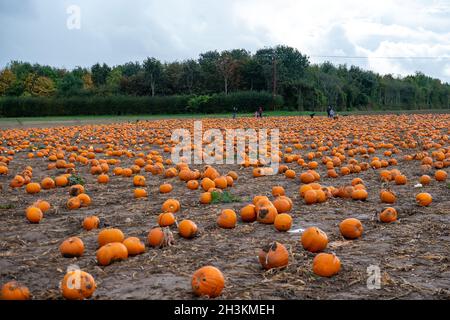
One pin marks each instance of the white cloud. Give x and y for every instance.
(116, 31)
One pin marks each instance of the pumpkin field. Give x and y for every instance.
(359, 209)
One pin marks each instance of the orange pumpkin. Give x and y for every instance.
(33, 188)
(283, 222)
(388, 215)
(34, 214)
(78, 285)
(359, 194)
(134, 246)
(205, 198)
(43, 205)
(248, 213)
(171, 205)
(424, 199)
(227, 219)
(387, 196)
(103, 178)
(160, 237)
(165, 188)
(166, 219)
(111, 252)
(326, 265)
(425, 180)
(278, 191)
(187, 229)
(76, 190)
(85, 200)
(90, 223)
(110, 235)
(440, 175)
(314, 240)
(47, 183)
(73, 203)
(207, 281)
(351, 228)
(15, 291)
(140, 193)
(283, 204)
(192, 184)
(274, 255)
(72, 247)
(265, 212)
(139, 181)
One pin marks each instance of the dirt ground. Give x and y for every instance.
(413, 254)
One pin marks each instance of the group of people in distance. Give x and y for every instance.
(259, 112)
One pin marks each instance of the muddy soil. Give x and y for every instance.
(412, 254)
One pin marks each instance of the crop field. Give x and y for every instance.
(358, 208)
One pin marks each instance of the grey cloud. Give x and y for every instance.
(118, 31)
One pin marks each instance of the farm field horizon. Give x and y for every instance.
(225, 159)
(386, 172)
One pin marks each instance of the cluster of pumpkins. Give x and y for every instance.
(328, 146)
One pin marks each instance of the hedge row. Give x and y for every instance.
(123, 105)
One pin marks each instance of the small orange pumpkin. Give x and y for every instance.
(227, 219)
(72, 247)
(160, 237)
(111, 252)
(205, 198)
(440, 175)
(33, 188)
(388, 215)
(387, 196)
(43, 205)
(351, 228)
(109, 235)
(14, 291)
(314, 240)
(283, 222)
(139, 181)
(134, 246)
(90, 223)
(326, 265)
(140, 193)
(208, 281)
(424, 199)
(275, 255)
(78, 285)
(73, 203)
(278, 191)
(34, 214)
(248, 213)
(187, 229)
(76, 189)
(171, 205)
(166, 219)
(85, 200)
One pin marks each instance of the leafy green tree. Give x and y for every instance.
(7, 79)
(100, 74)
(39, 86)
(153, 72)
(70, 85)
(113, 79)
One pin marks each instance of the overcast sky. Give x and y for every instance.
(117, 31)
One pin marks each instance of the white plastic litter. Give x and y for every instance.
(299, 230)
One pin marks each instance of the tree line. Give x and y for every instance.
(281, 72)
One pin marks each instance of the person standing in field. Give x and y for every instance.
(235, 110)
(260, 112)
(329, 109)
